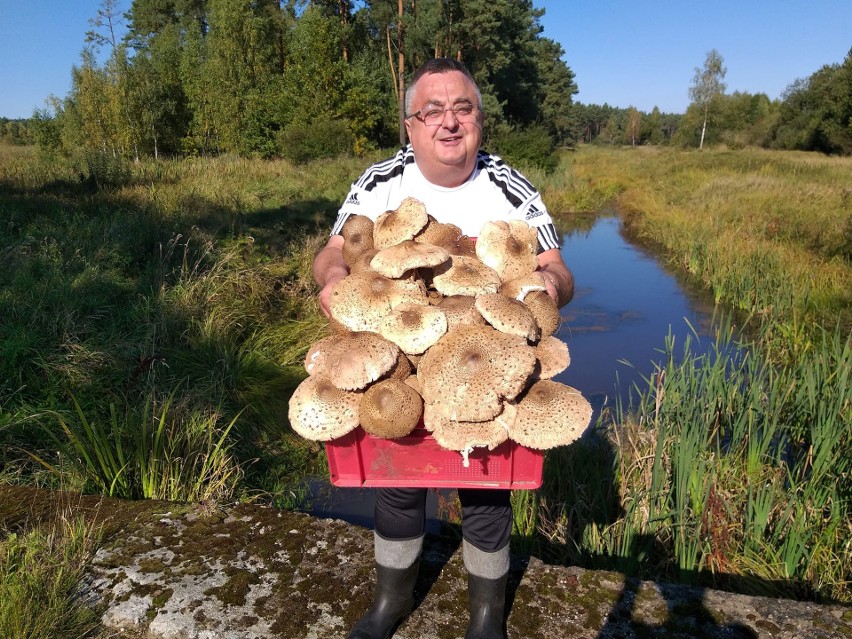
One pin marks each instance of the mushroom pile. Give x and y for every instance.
(430, 326)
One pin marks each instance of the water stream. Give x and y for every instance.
(625, 303)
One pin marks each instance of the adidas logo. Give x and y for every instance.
(534, 213)
(353, 199)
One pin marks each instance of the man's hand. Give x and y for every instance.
(556, 277)
(329, 268)
(325, 295)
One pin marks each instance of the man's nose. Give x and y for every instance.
(454, 121)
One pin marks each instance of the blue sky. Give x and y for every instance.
(640, 53)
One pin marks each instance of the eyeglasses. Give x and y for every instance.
(434, 116)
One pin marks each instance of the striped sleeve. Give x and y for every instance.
(524, 197)
(362, 196)
(548, 238)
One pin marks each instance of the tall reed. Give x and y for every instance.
(151, 455)
(728, 470)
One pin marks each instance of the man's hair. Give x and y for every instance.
(438, 65)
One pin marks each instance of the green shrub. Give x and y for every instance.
(306, 141)
(530, 147)
(101, 170)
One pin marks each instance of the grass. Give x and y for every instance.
(155, 318)
(769, 236)
(767, 233)
(191, 278)
(728, 471)
(150, 455)
(40, 572)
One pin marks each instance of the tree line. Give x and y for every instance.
(298, 79)
(813, 114)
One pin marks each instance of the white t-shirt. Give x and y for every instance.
(494, 191)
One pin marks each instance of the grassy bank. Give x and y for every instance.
(178, 291)
(155, 318)
(731, 469)
(768, 233)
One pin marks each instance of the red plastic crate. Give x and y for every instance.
(361, 460)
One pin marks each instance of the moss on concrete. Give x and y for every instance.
(261, 573)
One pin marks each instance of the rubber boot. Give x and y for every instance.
(393, 597)
(486, 588)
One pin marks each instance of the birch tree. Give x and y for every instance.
(706, 86)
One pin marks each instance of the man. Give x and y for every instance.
(444, 168)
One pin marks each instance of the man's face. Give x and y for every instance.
(446, 152)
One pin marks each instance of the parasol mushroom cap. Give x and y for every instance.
(518, 287)
(402, 368)
(362, 263)
(545, 311)
(553, 357)
(336, 327)
(414, 359)
(508, 315)
(465, 436)
(461, 311)
(447, 236)
(315, 357)
(508, 247)
(403, 223)
(320, 411)
(352, 361)
(550, 414)
(357, 235)
(414, 327)
(414, 383)
(390, 409)
(468, 373)
(407, 255)
(360, 301)
(463, 275)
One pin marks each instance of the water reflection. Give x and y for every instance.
(624, 305)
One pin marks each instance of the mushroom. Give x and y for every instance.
(403, 223)
(414, 359)
(461, 311)
(357, 235)
(465, 436)
(447, 236)
(553, 357)
(401, 369)
(316, 354)
(550, 414)
(390, 409)
(399, 258)
(508, 315)
(518, 287)
(414, 327)
(361, 300)
(463, 275)
(320, 411)
(544, 310)
(352, 361)
(508, 247)
(362, 264)
(468, 372)
(414, 383)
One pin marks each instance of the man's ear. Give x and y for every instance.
(408, 128)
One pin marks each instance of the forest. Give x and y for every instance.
(303, 80)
